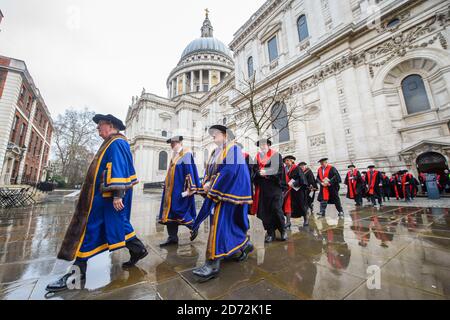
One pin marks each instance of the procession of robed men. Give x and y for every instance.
(234, 186)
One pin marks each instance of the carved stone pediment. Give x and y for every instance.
(165, 116)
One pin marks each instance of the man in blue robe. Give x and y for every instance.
(101, 221)
(181, 185)
(227, 191)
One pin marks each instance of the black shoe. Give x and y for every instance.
(168, 242)
(306, 222)
(61, 284)
(208, 271)
(341, 214)
(134, 258)
(270, 237)
(288, 222)
(322, 214)
(284, 235)
(194, 234)
(244, 256)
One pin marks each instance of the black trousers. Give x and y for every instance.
(374, 198)
(324, 205)
(274, 216)
(172, 230)
(359, 199)
(407, 193)
(386, 194)
(135, 246)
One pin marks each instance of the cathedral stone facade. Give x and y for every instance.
(373, 75)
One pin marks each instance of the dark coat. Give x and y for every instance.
(335, 180)
(299, 199)
(272, 186)
(377, 188)
(359, 184)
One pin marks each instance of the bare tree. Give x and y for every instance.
(267, 111)
(75, 143)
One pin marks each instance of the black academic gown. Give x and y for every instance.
(335, 180)
(386, 186)
(359, 190)
(312, 185)
(377, 188)
(271, 189)
(299, 199)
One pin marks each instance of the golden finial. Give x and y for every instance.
(207, 12)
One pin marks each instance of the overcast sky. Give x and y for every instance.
(99, 53)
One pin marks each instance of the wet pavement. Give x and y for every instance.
(328, 260)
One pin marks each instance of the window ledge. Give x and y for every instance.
(274, 64)
(412, 115)
(304, 44)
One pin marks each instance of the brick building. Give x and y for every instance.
(25, 126)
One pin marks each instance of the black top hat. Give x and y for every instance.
(371, 166)
(289, 158)
(351, 166)
(222, 129)
(175, 139)
(323, 159)
(110, 118)
(302, 163)
(264, 141)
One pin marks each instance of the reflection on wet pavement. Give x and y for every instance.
(327, 260)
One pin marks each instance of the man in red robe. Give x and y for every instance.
(289, 168)
(329, 179)
(270, 183)
(354, 183)
(407, 185)
(374, 185)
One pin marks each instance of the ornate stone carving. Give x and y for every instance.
(398, 45)
(317, 141)
(402, 17)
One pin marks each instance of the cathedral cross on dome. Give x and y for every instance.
(207, 29)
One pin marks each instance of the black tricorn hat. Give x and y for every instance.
(323, 159)
(264, 141)
(303, 163)
(371, 166)
(351, 166)
(222, 129)
(110, 118)
(289, 158)
(175, 139)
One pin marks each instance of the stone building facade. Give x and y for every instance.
(25, 126)
(373, 75)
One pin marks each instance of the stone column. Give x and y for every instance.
(341, 12)
(209, 80)
(317, 28)
(184, 83)
(192, 80)
(201, 80)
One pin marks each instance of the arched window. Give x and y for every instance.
(162, 160)
(224, 121)
(416, 98)
(280, 121)
(164, 133)
(250, 67)
(302, 27)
